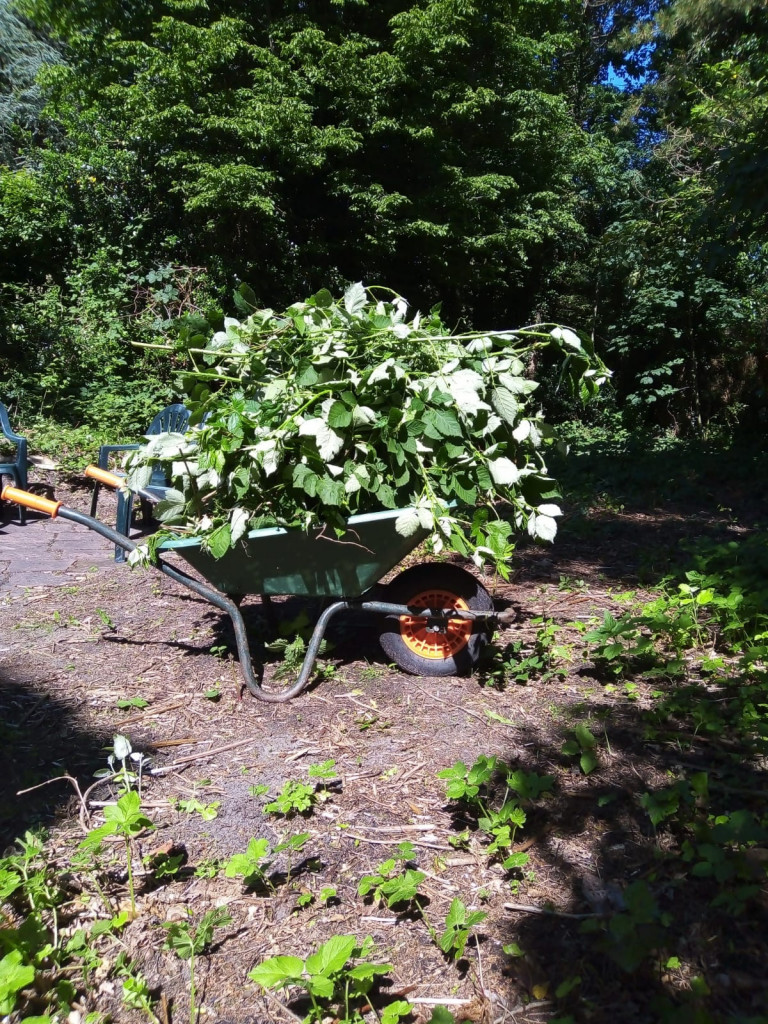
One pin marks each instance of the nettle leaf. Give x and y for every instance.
(363, 416)
(171, 507)
(522, 431)
(339, 415)
(518, 385)
(219, 541)
(506, 405)
(277, 972)
(465, 387)
(504, 472)
(355, 299)
(408, 522)
(329, 443)
(542, 527)
(332, 955)
(567, 336)
(238, 524)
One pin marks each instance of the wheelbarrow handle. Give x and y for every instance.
(103, 476)
(33, 501)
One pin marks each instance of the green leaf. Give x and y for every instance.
(219, 541)
(504, 472)
(355, 299)
(245, 299)
(588, 762)
(366, 972)
(339, 416)
(328, 442)
(408, 523)
(332, 955)
(14, 976)
(321, 986)
(277, 972)
(506, 405)
(586, 740)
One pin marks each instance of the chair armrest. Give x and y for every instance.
(109, 449)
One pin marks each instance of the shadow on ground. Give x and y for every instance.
(40, 742)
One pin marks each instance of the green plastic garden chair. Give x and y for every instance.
(17, 469)
(173, 419)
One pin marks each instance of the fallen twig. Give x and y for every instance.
(64, 778)
(524, 908)
(388, 842)
(459, 707)
(200, 756)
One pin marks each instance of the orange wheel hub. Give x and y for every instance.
(433, 640)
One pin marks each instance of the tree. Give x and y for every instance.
(23, 52)
(431, 145)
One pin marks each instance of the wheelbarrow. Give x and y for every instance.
(433, 618)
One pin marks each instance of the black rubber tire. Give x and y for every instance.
(404, 588)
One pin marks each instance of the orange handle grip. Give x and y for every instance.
(104, 476)
(33, 501)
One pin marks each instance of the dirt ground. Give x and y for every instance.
(73, 656)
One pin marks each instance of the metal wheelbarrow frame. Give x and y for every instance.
(438, 619)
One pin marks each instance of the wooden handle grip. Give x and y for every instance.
(104, 476)
(33, 501)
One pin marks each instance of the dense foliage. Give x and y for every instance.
(592, 163)
(336, 407)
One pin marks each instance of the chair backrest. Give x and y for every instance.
(174, 419)
(5, 426)
(18, 467)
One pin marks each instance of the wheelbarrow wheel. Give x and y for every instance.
(425, 649)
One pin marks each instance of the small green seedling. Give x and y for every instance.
(336, 987)
(458, 925)
(193, 806)
(189, 943)
(124, 777)
(122, 819)
(15, 975)
(294, 798)
(251, 866)
(584, 744)
(391, 885)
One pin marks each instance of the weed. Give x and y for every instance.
(294, 798)
(105, 618)
(123, 819)
(336, 987)
(582, 743)
(136, 994)
(15, 975)
(498, 818)
(193, 806)
(392, 885)
(188, 943)
(124, 777)
(458, 925)
(207, 868)
(253, 865)
(523, 662)
(131, 702)
(298, 797)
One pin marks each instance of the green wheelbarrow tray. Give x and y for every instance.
(315, 563)
(435, 622)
